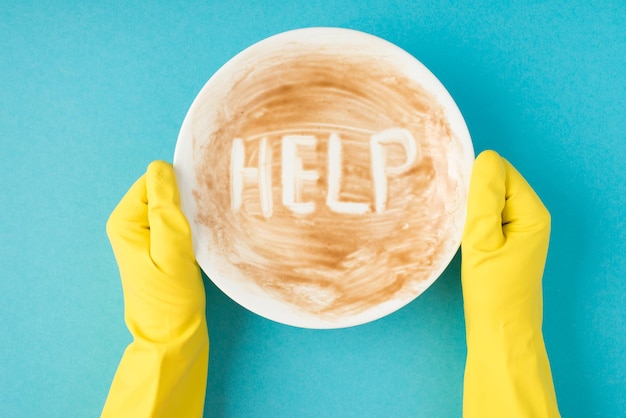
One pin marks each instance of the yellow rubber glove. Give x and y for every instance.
(504, 248)
(163, 371)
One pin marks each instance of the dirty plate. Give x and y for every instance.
(324, 173)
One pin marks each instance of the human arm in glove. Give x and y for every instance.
(163, 371)
(504, 248)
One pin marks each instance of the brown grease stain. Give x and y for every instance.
(329, 264)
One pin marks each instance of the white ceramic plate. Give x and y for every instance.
(324, 173)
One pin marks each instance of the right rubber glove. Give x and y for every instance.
(504, 248)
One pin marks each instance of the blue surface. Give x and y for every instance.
(91, 93)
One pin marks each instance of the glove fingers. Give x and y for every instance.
(486, 200)
(524, 211)
(128, 223)
(170, 234)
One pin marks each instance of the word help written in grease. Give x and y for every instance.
(294, 177)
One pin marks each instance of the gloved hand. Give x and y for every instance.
(504, 248)
(163, 371)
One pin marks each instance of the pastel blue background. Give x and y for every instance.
(90, 93)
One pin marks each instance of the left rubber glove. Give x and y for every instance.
(163, 371)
